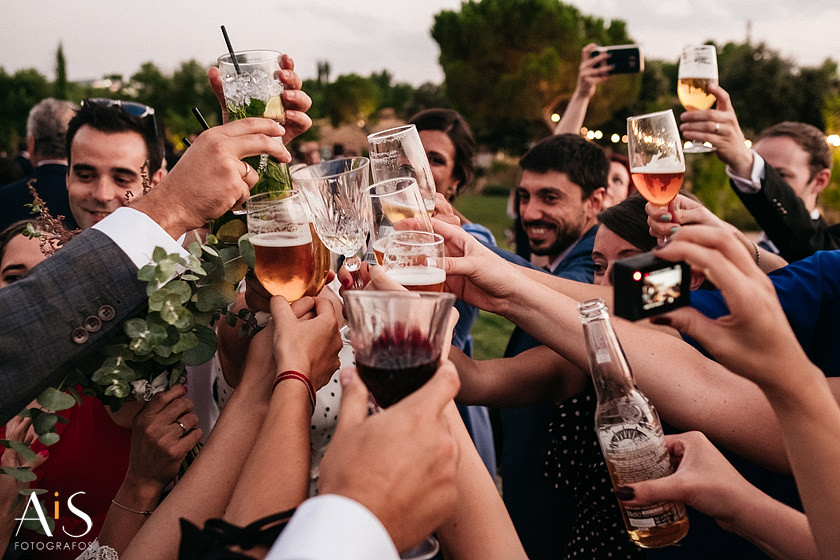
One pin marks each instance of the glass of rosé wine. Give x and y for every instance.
(657, 163)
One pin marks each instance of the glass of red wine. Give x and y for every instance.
(398, 338)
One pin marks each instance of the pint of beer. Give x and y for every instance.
(290, 259)
(415, 259)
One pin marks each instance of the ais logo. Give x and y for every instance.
(33, 507)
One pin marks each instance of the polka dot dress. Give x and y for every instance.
(576, 466)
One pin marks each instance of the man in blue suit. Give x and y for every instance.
(46, 128)
(561, 191)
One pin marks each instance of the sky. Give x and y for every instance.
(102, 37)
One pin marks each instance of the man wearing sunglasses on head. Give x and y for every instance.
(115, 151)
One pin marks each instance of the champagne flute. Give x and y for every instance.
(396, 204)
(398, 339)
(698, 70)
(415, 259)
(657, 163)
(290, 259)
(398, 152)
(335, 192)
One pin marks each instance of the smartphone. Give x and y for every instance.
(624, 59)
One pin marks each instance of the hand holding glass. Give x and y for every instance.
(290, 260)
(335, 191)
(698, 70)
(398, 152)
(254, 89)
(396, 204)
(416, 260)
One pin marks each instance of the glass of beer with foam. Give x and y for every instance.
(396, 205)
(291, 261)
(415, 259)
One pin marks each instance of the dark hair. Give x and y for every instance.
(625, 162)
(113, 119)
(456, 128)
(628, 220)
(12, 230)
(809, 138)
(584, 162)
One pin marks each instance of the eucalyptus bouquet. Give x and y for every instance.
(186, 297)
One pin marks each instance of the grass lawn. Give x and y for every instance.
(490, 331)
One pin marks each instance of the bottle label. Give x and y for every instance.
(633, 453)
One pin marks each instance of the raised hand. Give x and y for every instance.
(306, 337)
(295, 101)
(720, 127)
(210, 179)
(401, 463)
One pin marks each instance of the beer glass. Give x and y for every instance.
(335, 192)
(290, 259)
(416, 259)
(657, 163)
(396, 204)
(698, 70)
(398, 152)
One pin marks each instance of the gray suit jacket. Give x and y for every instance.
(61, 311)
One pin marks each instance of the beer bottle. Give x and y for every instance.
(629, 432)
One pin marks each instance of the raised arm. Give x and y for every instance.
(592, 72)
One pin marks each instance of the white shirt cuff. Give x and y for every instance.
(752, 184)
(137, 235)
(331, 526)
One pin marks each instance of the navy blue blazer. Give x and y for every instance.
(783, 217)
(51, 183)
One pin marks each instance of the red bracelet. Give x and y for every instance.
(291, 374)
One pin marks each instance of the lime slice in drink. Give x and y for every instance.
(274, 109)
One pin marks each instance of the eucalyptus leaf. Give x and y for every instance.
(246, 250)
(204, 351)
(22, 474)
(44, 422)
(158, 254)
(187, 341)
(147, 273)
(53, 399)
(195, 249)
(210, 250)
(50, 438)
(214, 296)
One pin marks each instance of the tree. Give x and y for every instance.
(19, 92)
(60, 90)
(507, 61)
(352, 99)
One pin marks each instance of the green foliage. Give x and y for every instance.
(351, 99)
(507, 61)
(18, 93)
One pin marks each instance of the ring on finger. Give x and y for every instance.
(248, 169)
(717, 127)
(184, 428)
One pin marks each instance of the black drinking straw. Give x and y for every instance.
(230, 50)
(186, 141)
(200, 118)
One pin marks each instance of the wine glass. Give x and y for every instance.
(698, 70)
(415, 259)
(290, 259)
(657, 163)
(398, 152)
(396, 204)
(398, 339)
(335, 192)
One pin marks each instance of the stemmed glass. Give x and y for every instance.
(398, 152)
(290, 259)
(415, 259)
(657, 163)
(335, 191)
(698, 70)
(396, 204)
(398, 339)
